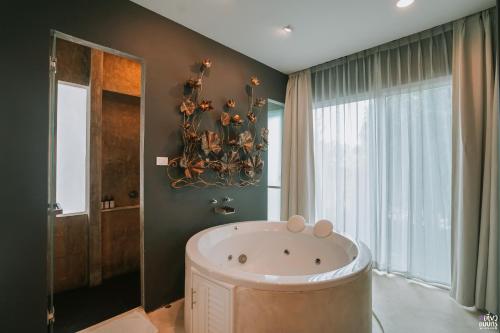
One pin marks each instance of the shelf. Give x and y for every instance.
(119, 208)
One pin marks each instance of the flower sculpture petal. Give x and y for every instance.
(236, 120)
(194, 169)
(230, 162)
(206, 63)
(259, 102)
(264, 134)
(210, 142)
(225, 119)
(188, 107)
(195, 82)
(254, 81)
(252, 117)
(246, 141)
(231, 103)
(253, 165)
(205, 106)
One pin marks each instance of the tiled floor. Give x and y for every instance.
(80, 308)
(409, 307)
(402, 306)
(169, 320)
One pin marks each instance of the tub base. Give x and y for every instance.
(345, 308)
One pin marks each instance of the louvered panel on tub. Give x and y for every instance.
(212, 306)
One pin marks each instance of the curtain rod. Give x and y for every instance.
(426, 34)
(432, 32)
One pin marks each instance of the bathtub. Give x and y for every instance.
(257, 277)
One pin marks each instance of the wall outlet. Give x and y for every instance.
(160, 160)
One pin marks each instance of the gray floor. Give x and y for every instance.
(407, 307)
(401, 305)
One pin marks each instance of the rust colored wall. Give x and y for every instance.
(121, 75)
(120, 242)
(120, 147)
(73, 62)
(70, 252)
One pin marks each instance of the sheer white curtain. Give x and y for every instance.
(382, 151)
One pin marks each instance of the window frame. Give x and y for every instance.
(282, 112)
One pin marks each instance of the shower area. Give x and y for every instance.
(95, 231)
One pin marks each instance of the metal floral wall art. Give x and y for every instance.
(229, 156)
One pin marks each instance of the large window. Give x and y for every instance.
(275, 125)
(72, 138)
(383, 175)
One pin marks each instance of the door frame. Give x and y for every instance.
(54, 34)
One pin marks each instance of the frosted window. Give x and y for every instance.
(71, 177)
(273, 204)
(275, 125)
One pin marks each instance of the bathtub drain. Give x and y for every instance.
(286, 252)
(317, 261)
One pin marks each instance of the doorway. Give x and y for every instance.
(95, 219)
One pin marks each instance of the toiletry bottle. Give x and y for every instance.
(111, 202)
(106, 202)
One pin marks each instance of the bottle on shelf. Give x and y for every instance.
(106, 202)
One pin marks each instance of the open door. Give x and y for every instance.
(52, 207)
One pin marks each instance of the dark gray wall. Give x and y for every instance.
(498, 248)
(171, 217)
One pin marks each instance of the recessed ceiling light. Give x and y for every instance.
(287, 28)
(404, 3)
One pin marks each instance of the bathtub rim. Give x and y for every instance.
(194, 259)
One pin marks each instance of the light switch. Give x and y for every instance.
(160, 160)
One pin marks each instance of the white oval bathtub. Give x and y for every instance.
(259, 272)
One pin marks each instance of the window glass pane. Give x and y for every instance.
(273, 204)
(71, 147)
(383, 175)
(275, 125)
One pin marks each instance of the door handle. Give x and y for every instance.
(56, 209)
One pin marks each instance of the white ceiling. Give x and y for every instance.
(323, 29)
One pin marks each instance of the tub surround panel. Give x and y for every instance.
(339, 309)
(267, 292)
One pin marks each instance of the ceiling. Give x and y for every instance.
(323, 30)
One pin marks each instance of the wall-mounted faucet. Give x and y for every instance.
(223, 210)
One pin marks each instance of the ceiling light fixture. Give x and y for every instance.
(287, 28)
(404, 3)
